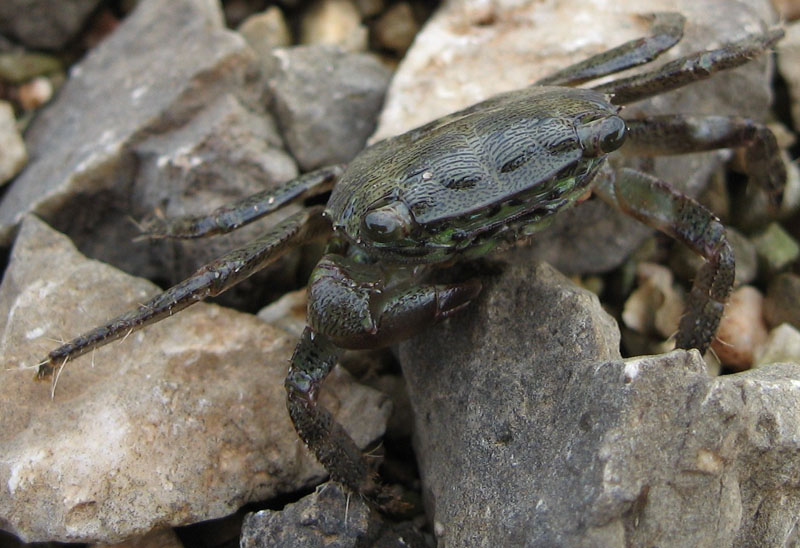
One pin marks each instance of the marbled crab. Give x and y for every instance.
(459, 188)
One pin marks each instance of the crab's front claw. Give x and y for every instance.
(355, 307)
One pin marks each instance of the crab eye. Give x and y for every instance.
(389, 223)
(602, 136)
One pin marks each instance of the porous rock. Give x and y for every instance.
(531, 431)
(470, 50)
(181, 422)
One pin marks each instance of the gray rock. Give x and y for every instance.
(326, 101)
(782, 302)
(789, 66)
(181, 422)
(151, 116)
(329, 518)
(44, 24)
(531, 431)
(470, 50)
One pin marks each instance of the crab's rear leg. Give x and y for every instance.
(667, 30)
(351, 305)
(681, 134)
(657, 204)
(232, 216)
(208, 281)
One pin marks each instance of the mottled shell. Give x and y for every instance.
(467, 178)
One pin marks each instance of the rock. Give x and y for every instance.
(742, 330)
(17, 66)
(183, 421)
(334, 23)
(185, 120)
(265, 31)
(782, 345)
(396, 28)
(531, 431)
(782, 303)
(470, 50)
(330, 517)
(776, 248)
(44, 24)
(12, 148)
(655, 307)
(789, 66)
(326, 102)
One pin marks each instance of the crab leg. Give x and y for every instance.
(656, 204)
(231, 216)
(350, 306)
(667, 30)
(684, 71)
(208, 281)
(680, 134)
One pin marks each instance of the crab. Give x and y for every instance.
(457, 189)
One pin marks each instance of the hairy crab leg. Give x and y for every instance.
(210, 280)
(232, 216)
(667, 30)
(688, 69)
(657, 204)
(681, 134)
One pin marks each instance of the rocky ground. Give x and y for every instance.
(551, 412)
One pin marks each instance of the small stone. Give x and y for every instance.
(13, 154)
(776, 248)
(45, 24)
(18, 67)
(287, 313)
(334, 23)
(330, 517)
(742, 330)
(782, 345)
(655, 307)
(782, 304)
(396, 28)
(35, 93)
(265, 31)
(370, 8)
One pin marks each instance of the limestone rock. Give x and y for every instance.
(183, 421)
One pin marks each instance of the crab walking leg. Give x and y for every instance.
(208, 281)
(232, 216)
(347, 311)
(655, 203)
(667, 30)
(681, 134)
(684, 71)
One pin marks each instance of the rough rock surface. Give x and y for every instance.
(330, 517)
(346, 91)
(471, 49)
(531, 431)
(167, 106)
(183, 421)
(47, 24)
